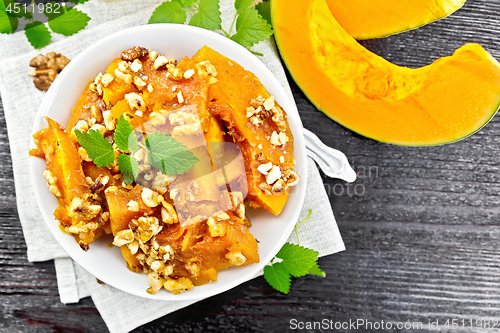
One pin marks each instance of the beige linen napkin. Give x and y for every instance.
(121, 312)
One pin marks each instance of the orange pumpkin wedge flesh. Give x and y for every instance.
(366, 19)
(440, 103)
(228, 100)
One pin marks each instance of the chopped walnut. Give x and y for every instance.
(155, 282)
(139, 83)
(273, 175)
(135, 101)
(236, 258)
(177, 286)
(123, 237)
(95, 113)
(205, 68)
(264, 168)
(83, 210)
(51, 183)
(161, 182)
(174, 72)
(109, 120)
(133, 206)
(269, 103)
(83, 154)
(216, 229)
(147, 227)
(186, 129)
(136, 65)
(47, 68)
(180, 99)
(127, 78)
(279, 186)
(168, 213)
(189, 73)
(151, 198)
(161, 61)
(291, 177)
(134, 53)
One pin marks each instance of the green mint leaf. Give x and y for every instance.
(168, 155)
(14, 9)
(99, 149)
(168, 12)
(125, 138)
(8, 24)
(297, 260)
(129, 167)
(251, 28)
(315, 270)
(264, 9)
(208, 15)
(242, 4)
(185, 3)
(52, 10)
(277, 277)
(38, 34)
(69, 23)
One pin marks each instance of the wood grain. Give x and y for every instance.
(422, 239)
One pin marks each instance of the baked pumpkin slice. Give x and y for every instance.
(257, 124)
(78, 211)
(441, 103)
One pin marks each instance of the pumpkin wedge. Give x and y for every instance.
(440, 103)
(366, 19)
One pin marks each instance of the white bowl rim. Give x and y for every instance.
(299, 144)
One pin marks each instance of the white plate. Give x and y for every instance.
(175, 41)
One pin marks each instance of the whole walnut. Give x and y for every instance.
(47, 67)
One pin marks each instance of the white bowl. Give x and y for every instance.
(175, 41)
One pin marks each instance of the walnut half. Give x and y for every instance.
(47, 68)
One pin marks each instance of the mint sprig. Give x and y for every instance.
(251, 28)
(62, 19)
(164, 152)
(292, 260)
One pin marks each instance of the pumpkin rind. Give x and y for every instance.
(440, 103)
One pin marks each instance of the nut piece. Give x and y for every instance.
(177, 286)
(168, 213)
(273, 175)
(83, 210)
(264, 168)
(134, 53)
(162, 61)
(133, 206)
(216, 229)
(136, 65)
(123, 237)
(47, 68)
(236, 258)
(189, 73)
(291, 177)
(269, 103)
(155, 282)
(151, 198)
(135, 101)
(51, 183)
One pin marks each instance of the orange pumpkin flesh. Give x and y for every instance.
(229, 99)
(366, 19)
(440, 103)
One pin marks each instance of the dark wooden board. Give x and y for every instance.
(421, 230)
